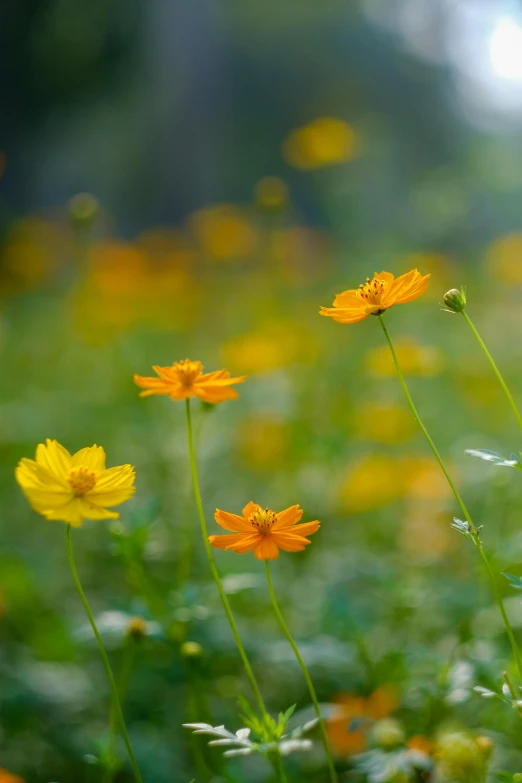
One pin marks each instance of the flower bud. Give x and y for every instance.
(455, 300)
(137, 628)
(83, 210)
(517, 777)
(191, 650)
(387, 734)
(460, 759)
(485, 745)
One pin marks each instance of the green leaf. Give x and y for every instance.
(496, 459)
(284, 717)
(515, 581)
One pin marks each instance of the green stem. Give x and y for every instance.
(123, 683)
(306, 673)
(213, 567)
(278, 766)
(494, 367)
(108, 670)
(473, 530)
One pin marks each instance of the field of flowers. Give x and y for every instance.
(390, 608)
(260, 409)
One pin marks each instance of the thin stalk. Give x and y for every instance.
(126, 665)
(494, 367)
(279, 769)
(213, 567)
(306, 673)
(105, 659)
(473, 530)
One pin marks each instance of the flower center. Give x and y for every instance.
(82, 480)
(262, 519)
(372, 290)
(188, 371)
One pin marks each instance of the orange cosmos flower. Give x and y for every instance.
(185, 379)
(376, 296)
(8, 777)
(264, 531)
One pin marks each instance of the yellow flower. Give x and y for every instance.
(323, 142)
(185, 379)
(274, 344)
(375, 296)
(224, 232)
(503, 257)
(271, 193)
(73, 488)
(384, 422)
(264, 531)
(263, 441)
(373, 482)
(423, 360)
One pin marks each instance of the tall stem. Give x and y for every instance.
(105, 659)
(494, 367)
(213, 567)
(306, 673)
(123, 683)
(473, 530)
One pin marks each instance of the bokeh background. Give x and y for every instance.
(246, 162)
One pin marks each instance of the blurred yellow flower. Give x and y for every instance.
(384, 422)
(373, 482)
(263, 441)
(271, 193)
(118, 268)
(71, 488)
(185, 379)
(375, 296)
(504, 258)
(224, 232)
(425, 531)
(323, 142)
(415, 359)
(8, 777)
(302, 253)
(32, 250)
(272, 345)
(264, 531)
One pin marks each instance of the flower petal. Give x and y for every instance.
(214, 393)
(90, 510)
(238, 542)
(54, 458)
(250, 508)
(92, 457)
(344, 316)
(290, 543)
(70, 513)
(288, 517)
(232, 521)
(306, 529)
(266, 548)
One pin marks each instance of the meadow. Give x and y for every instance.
(390, 607)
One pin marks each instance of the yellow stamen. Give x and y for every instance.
(262, 520)
(372, 290)
(82, 480)
(188, 371)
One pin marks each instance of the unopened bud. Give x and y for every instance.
(191, 650)
(517, 777)
(455, 300)
(137, 628)
(460, 759)
(387, 734)
(485, 745)
(83, 210)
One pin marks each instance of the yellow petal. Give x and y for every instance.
(54, 458)
(92, 457)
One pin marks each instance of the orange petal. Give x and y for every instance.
(214, 394)
(343, 316)
(306, 529)
(348, 300)
(249, 509)
(232, 522)
(288, 517)
(238, 542)
(386, 276)
(266, 549)
(290, 543)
